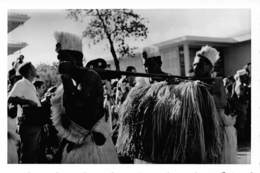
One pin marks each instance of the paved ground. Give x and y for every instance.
(244, 154)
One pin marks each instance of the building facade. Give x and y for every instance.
(178, 54)
(14, 21)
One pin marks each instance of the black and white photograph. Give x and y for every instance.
(129, 86)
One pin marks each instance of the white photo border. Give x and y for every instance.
(163, 4)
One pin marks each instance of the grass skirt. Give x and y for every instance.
(85, 149)
(89, 152)
(163, 123)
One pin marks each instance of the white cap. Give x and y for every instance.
(68, 41)
(209, 52)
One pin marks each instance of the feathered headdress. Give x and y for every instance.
(68, 41)
(210, 53)
(150, 52)
(69, 47)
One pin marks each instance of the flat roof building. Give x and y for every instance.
(178, 54)
(14, 21)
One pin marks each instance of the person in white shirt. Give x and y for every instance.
(24, 95)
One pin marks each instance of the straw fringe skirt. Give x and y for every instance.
(85, 149)
(89, 152)
(162, 123)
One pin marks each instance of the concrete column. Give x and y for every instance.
(186, 58)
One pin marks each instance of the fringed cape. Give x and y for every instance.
(86, 151)
(164, 123)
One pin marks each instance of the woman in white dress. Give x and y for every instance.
(230, 139)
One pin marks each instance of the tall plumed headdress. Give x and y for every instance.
(210, 53)
(151, 52)
(68, 41)
(69, 46)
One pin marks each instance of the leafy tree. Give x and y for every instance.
(118, 26)
(48, 74)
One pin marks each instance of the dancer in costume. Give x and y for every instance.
(153, 62)
(77, 108)
(124, 85)
(203, 67)
(163, 122)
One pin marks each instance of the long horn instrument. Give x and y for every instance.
(111, 74)
(67, 67)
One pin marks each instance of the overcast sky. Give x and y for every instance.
(163, 25)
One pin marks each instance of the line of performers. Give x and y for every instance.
(184, 121)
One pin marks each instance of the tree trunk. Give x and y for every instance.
(112, 49)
